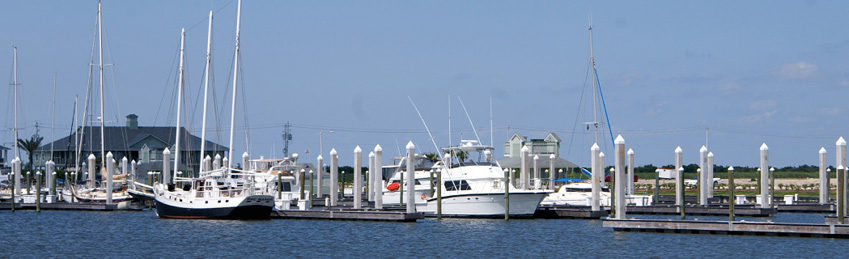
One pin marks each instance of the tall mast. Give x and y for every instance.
(15, 83)
(206, 89)
(179, 106)
(53, 117)
(235, 80)
(595, 88)
(102, 119)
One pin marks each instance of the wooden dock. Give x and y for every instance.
(569, 212)
(729, 228)
(806, 208)
(710, 210)
(367, 215)
(62, 206)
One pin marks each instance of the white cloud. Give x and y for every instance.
(729, 87)
(763, 105)
(831, 111)
(628, 79)
(758, 117)
(796, 71)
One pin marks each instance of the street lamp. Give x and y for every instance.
(321, 141)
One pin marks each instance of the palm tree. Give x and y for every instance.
(432, 156)
(30, 145)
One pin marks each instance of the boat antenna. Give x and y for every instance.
(470, 119)
(235, 80)
(449, 120)
(491, 142)
(425, 124)
(206, 91)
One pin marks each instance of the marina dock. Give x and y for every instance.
(729, 228)
(710, 210)
(61, 206)
(367, 215)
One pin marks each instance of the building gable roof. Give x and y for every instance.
(126, 139)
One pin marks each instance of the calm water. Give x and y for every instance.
(142, 234)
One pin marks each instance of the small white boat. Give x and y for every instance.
(576, 194)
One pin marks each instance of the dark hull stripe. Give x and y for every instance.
(235, 212)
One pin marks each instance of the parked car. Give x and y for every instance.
(695, 182)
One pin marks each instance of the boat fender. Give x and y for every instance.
(393, 186)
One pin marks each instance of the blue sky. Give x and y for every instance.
(750, 72)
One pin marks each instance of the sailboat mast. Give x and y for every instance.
(595, 88)
(15, 83)
(102, 119)
(206, 91)
(179, 105)
(235, 80)
(53, 117)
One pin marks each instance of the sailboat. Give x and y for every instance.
(91, 193)
(217, 193)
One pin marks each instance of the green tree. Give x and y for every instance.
(30, 145)
(432, 156)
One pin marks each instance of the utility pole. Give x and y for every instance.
(287, 136)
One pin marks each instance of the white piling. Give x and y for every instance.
(537, 179)
(378, 179)
(710, 175)
(551, 171)
(596, 175)
(620, 182)
(16, 168)
(679, 188)
(124, 165)
(765, 199)
(487, 155)
(824, 188)
(357, 189)
(703, 182)
(133, 172)
(841, 161)
(630, 176)
(166, 166)
(207, 164)
(110, 169)
(91, 174)
(320, 161)
(49, 173)
(371, 176)
(225, 162)
(411, 177)
(246, 163)
(334, 177)
(216, 164)
(525, 176)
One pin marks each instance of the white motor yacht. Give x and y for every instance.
(473, 186)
